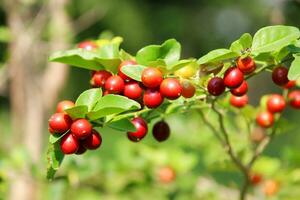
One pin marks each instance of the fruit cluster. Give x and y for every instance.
(78, 135)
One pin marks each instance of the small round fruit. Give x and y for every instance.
(186, 72)
(188, 89)
(141, 129)
(275, 103)
(81, 128)
(166, 175)
(255, 178)
(294, 99)
(120, 73)
(152, 77)
(216, 86)
(246, 65)
(93, 141)
(265, 119)
(87, 45)
(170, 88)
(132, 90)
(60, 122)
(233, 77)
(152, 98)
(270, 187)
(290, 84)
(280, 76)
(258, 134)
(161, 131)
(63, 105)
(81, 150)
(114, 85)
(99, 78)
(241, 90)
(239, 102)
(69, 144)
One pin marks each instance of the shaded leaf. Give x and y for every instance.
(89, 98)
(294, 71)
(122, 125)
(133, 71)
(77, 111)
(54, 159)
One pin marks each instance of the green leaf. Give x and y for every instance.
(108, 56)
(168, 53)
(125, 56)
(53, 138)
(122, 125)
(5, 35)
(180, 64)
(89, 98)
(54, 158)
(77, 111)
(112, 104)
(244, 42)
(274, 38)
(217, 56)
(77, 57)
(293, 49)
(294, 71)
(133, 71)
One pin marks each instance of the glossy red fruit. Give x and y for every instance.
(255, 178)
(294, 99)
(63, 105)
(81, 128)
(290, 85)
(239, 101)
(241, 90)
(188, 89)
(132, 90)
(81, 150)
(246, 65)
(170, 88)
(60, 122)
(114, 85)
(141, 129)
(120, 73)
(275, 103)
(161, 131)
(152, 98)
(216, 86)
(51, 130)
(69, 144)
(93, 141)
(265, 119)
(280, 76)
(233, 77)
(87, 45)
(99, 78)
(152, 77)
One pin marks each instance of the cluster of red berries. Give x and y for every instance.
(150, 92)
(79, 133)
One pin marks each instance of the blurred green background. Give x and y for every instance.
(121, 169)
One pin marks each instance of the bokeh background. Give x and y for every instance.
(29, 87)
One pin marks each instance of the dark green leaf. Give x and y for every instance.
(133, 71)
(77, 111)
(294, 71)
(89, 98)
(122, 125)
(217, 56)
(54, 158)
(293, 49)
(273, 38)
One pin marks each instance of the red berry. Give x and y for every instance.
(241, 90)
(238, 101)
(188, 89)
(161, 131)
(133, 90)
(60, 122)
(51, 130)
(170, 88)
(152, 98)
(141, 129)
(99, 78)
(216, 86)
(81, 150)
(114, 85)
(69, 144)
(280, 76)
(93, 141)
(290, 85)
(246, 65)
(255, 179)
(233, 77)
(294, 99)
(87, 45)
(64, 105)
(152, 77)
(275, 103)
(265, 119)
(81, 128)
(120, 73)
